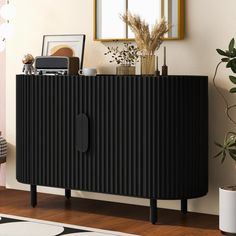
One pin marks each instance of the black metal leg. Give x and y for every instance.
(67, 193)
(184, 206)
(33, 189)
(153, 211)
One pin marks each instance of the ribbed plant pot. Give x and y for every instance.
(228, 210)
(125, 70)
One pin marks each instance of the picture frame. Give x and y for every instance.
(71, 45)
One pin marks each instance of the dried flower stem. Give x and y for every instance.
(147, 41)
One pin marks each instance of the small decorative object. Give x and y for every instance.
(71, 45)
(165, 67)
(125, 58)
(148, 41)
(3, 149)
(157, 72)
(228, 147)
(28, 61)
(88, 72)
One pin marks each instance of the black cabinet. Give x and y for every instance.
(138, 136)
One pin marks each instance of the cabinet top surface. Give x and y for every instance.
(113, 76)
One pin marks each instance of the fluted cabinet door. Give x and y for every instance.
(128, 135)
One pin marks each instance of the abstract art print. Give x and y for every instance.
(70, 45)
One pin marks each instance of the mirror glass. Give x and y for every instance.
(109, 26)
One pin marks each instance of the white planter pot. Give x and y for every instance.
(228, 211)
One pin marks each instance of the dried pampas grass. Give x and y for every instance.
(147, 41)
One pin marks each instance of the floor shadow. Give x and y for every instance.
(141, 213)
(20, 202)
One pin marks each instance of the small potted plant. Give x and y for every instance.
(228, 146)
(125, 58)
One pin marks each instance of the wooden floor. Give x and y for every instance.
(106, 215)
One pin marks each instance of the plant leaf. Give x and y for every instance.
(232, 90)
(219, 145)
(218, 154)
(234, 52)
(229, 64)
(225, 59)
(232, 145)
(221, 52)
(232, 156)
(233, 66)
(232, 79)
(223, 157)
(229, 54)
(231, 45)
(233, 151)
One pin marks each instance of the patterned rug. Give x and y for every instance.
(21, 226)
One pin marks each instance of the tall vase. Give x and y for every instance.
(148, 65)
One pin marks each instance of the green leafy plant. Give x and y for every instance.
(229, 144)
(127, 56)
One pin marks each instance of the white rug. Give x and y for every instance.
(21, 226)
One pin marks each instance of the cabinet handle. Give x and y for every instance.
(82, 132)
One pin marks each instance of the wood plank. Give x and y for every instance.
(106, 215)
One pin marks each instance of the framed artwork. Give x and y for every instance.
(69, 45)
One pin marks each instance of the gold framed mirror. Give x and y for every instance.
(109, 27)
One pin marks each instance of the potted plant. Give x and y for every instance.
(125, 58)
(228, 147)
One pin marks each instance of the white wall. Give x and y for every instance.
(2, 101)
(209, 25)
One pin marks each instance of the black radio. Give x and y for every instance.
(56, 65)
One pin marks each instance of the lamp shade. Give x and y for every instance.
(6, 30)
(8, 11)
